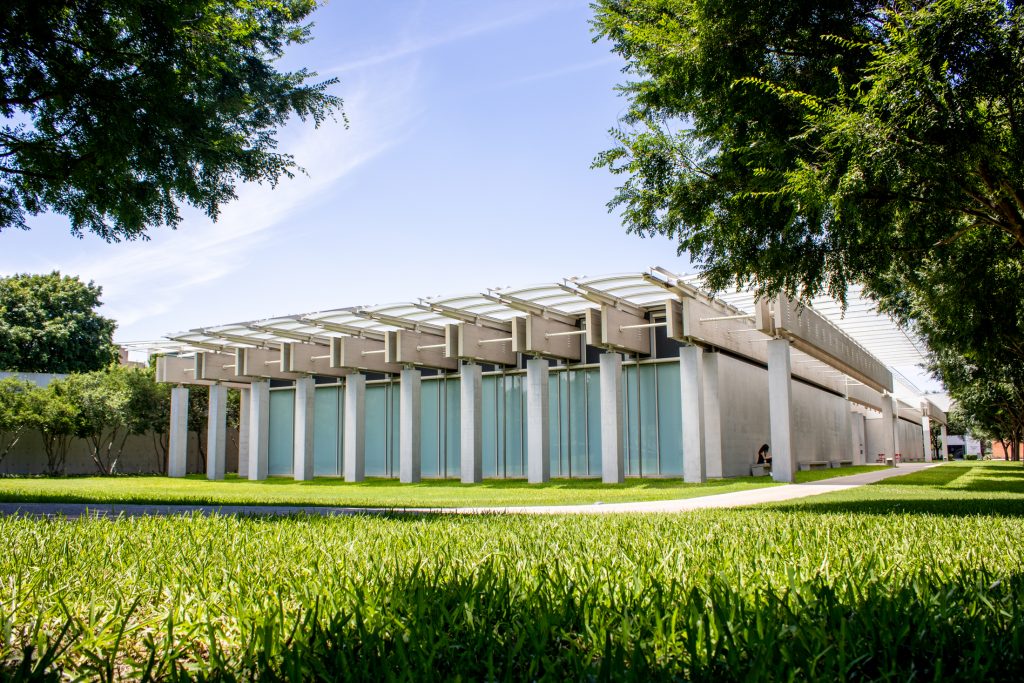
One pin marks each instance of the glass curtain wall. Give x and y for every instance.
(651, 406)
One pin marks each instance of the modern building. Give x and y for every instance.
(639, 375)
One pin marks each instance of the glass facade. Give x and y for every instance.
(651, 415)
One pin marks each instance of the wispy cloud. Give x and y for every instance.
(417, 42)
(561, 71)
(148, 279)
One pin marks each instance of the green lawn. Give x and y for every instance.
(917, 578)
(808, 476)
(371, 493)
(388, 493)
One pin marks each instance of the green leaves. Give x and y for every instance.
(128, 109)
(48, 323)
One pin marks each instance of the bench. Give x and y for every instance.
(841, 463)
(815, 465)
(760, 470)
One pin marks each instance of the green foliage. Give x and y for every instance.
(118, 111)
(52, 412)
(793, 592)
(804, 146)
(13, 397)
(48, 323)
(112, 405)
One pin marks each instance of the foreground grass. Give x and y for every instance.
(843, 587)
(388, 493)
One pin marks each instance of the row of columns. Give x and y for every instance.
(701, 422)
(254, 426)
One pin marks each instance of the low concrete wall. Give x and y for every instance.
(140, 456)
(822, 422)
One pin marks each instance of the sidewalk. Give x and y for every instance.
(771, 494)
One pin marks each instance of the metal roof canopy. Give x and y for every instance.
(728, 320)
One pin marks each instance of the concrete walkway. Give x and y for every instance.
(771, 494)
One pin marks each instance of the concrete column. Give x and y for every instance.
(216, 434)
(691, 384)
(471, 439)
(897, 446)
(302, 446)
(354, 447)
(244, 396)
(888, 427)
(613, 451)
(259, 430)
(538, 422)
(926, 431)
(713, 466)
(178, 437)
(409, 427)
(538, 443)
(780, 411)
(945, 445)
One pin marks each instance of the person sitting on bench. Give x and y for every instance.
(764, 456)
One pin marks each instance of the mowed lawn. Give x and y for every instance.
(386, 493)
(916, 578)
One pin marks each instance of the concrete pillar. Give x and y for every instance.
(216, 434)
(780, 411)
(713, 466)
(259, 430)
(691, 385)
(613, 451)
(302, 446)
(471, 439)
(243, 432)
(354, 447)
(538, 443)
(409, 427)
(945, 445)
(926, 431)
(178, 437)
(888, 427)
(897, 446)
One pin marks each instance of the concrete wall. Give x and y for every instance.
(858, 438)
(911, 440)
(140, 456)
(822, 421)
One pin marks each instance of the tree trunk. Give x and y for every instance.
(161, 448)
(10, 446)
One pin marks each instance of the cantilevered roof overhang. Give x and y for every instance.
(841, 347)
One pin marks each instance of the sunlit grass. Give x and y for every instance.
(387, 493)
(889, 581)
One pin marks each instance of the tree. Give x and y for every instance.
(13, 394)
(101, 399)
(52, 412)
(800, 146)
(149, 409)
(119, 110)
(48, 323)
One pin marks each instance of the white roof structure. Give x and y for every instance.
(567, 301)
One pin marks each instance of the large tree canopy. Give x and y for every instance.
(49, 323)
(800, 145)
(118, 110)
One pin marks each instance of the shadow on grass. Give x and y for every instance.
(948, 506)
(486, 625)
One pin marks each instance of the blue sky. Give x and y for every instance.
(466, 166)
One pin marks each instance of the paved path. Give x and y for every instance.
(771, 494)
